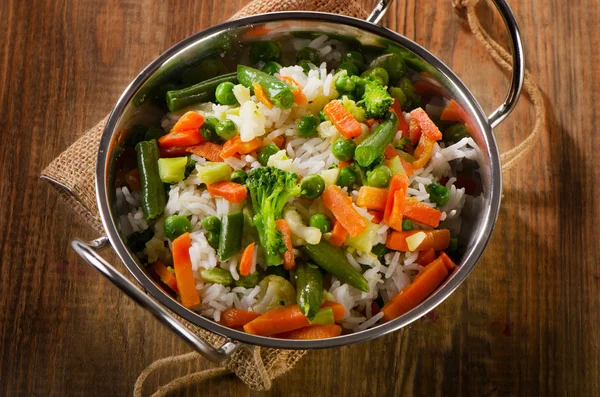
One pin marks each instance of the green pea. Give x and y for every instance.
(307, 66)
(307, 125)
(224, 93)
(176, 225)
(308, 54)
(227, 129)
(455, 133)
(312, 186)
(272, 68)
(213, 239)
(343, 149)
(321, 222)
(393, 64)
(343, 83)
(211, 223)
(380, 250)
(346, 178)
(438, 194)
(349, 67)
(453, 245)
(349, 96)
(264, 51)
(323, 116)
(407, 225)
(377, 74)
(238, 176)
(266, 152)
(397, 93)
(353, 56)
(379, 176)
(209, 129)
(413, 100)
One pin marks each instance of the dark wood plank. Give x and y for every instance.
(522, 324)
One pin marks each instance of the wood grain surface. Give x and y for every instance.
(524, 323)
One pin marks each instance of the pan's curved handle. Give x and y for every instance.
(88, 252)
(516, 47)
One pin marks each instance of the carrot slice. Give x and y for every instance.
(377, 216)
(342, 119)
(284, 319)
(313, 332)
(279, 141)
(235, 146)
(397, 182)
(428, 89)
(414, 132)
(344, 164)
(390, 152)
(180, 138)
(209, 150)
(246, 260)
(256, 31)
(261, 96)
(426, 257)
(423, 152)
(189, 121)
(237, 318)
(250, 146)
(370, 122)
(422, 213)
(337, 202)
(230, 191)
(408, 167)
(132, 178)
(436, 239)
(338, 234)
(453, 112)
(183, 271)
(372, 198)
(427, 126)
(165, 275)
(402, 124)
(447, 261)
(398, 208)
(289, 261)
(423, 285)
(173, 151)
(299, 97)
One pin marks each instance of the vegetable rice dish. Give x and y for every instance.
(303, 201)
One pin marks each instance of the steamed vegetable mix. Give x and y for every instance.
(297, 200)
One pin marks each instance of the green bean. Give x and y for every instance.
(333, 261)
(276, 90)
(201, 92)
(224, 93)
(272, 68)
(374, 145)
(249, 281)
(176, 225)
(264, 51)
(230, 239)
(152, 189)
(309, 288)
(216, 275)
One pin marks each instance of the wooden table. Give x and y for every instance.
(525, 322)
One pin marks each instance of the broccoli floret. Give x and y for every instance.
(270, 189)
(377, 100)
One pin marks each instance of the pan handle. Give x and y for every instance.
(516, 47)
(87, 251)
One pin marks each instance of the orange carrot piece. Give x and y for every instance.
(453, 112)
(436, 239)
(312, 332)
(189, 121)
(423, 285)
(209, 150)
(289, 262)
(428, 89)
(337, 202)
(279, 141)
(423, 152)
(414, 132)
(342, 119)
(427, 126)
(284, 319)
(372, 198)
(390, 152)
(237, 318)
(377, 216)
(132, 178)
(344, 164)
(422, 213)
(246, 260)
(250, 146)
(180, 138)
(256, 31)
(370, 122)
(230, 191)
(183, 271)
(408, 167)
(426, 257)
(398, 205)
(397, 182)
(299, 97)
(337, 308)
(449, 263)
(262, 96)
(235, 146)
(402, 124)
(165, 275)
(338, 234)
(173, 151)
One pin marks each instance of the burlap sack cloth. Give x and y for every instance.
(72, 175)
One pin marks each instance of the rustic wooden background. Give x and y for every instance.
(524, 323)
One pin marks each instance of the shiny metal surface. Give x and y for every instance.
(379, 11)
(479, 224)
